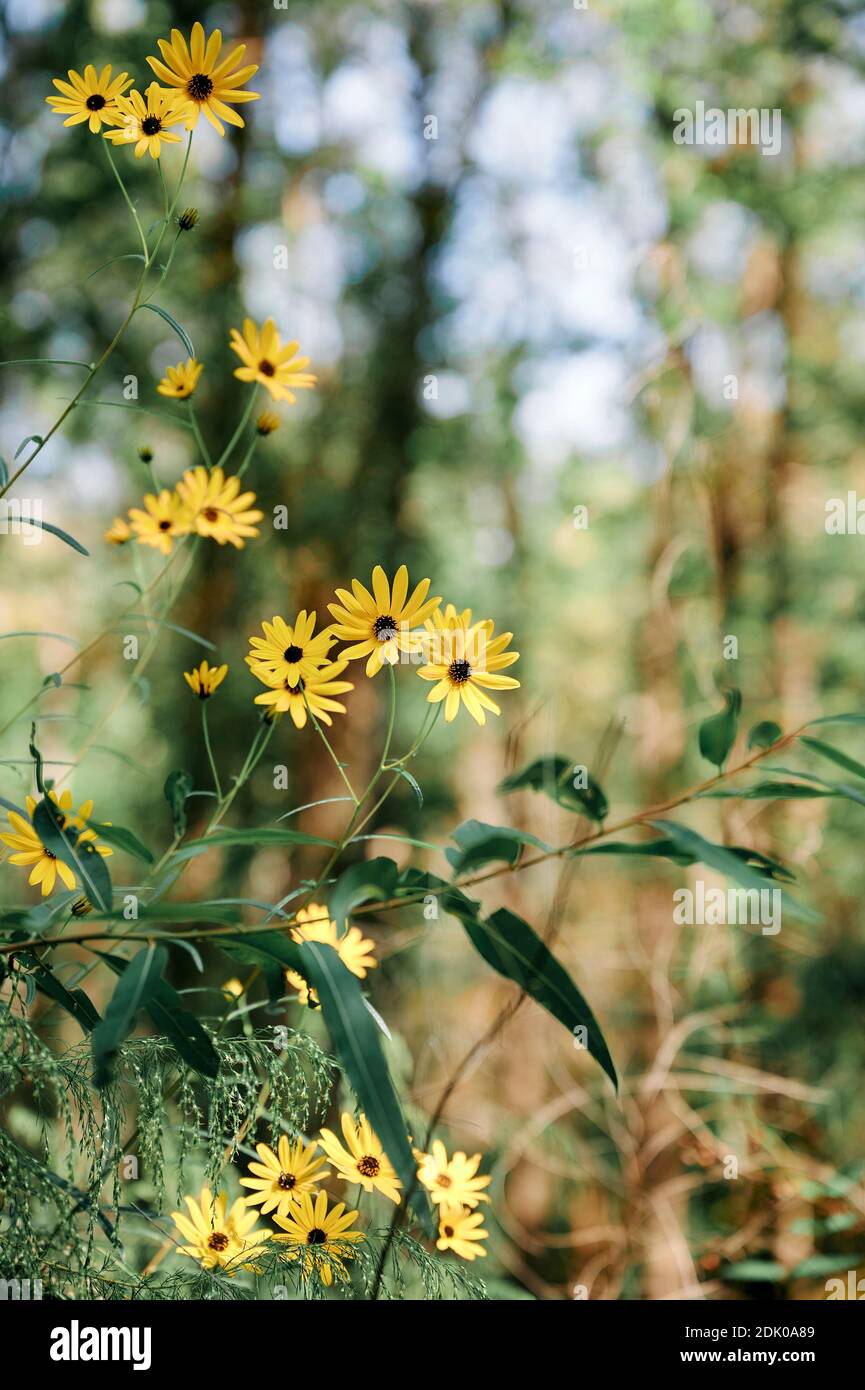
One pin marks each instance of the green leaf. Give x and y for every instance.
(726, 862)
(415, 786)
(173, 1021)
(819, 1266)
(133, 991)
(479, 844)
(665, 848)
(838, 719)
(127, 256)
(834, 755)
(31, 439)
(120, 838)
(370, 880)
(754, 1272)
(60, 636)
(718, 733)
(177, 787)
(766, 791)
(266, 835)
(764, 734)
(172, 323)
(555, 776)
(83, 859)
(512, 948)
(74, 1001)
(59, 533)
(357, 1041)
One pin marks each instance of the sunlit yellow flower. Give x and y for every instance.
(233, 988)
(453, 1181)
(364, 1161)
(90, 98)
(289, 651)
(267, 360)
(282, 1177)
(462, 1231)
(187, 219)
(219, 1238)
(45, 867)
(217, 508)
(180, 382)
(267, 423)
(321, 1239)
(204, 680)
(119, 532)
(205, 83)
(465, 660)
(383, 623)
(164, 518)
(147, 120)
(313, 693)
(355, 950)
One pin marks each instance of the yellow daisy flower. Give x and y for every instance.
(216, 506)
(204, 680)
(381, 624)
(147, 120)
(119, 532)
(205, 83)
(465, 660)
(289, 651)
(180, 382)
(364, 1161)
(267, 423)
(313, 1228)
(45, 867)
(281, 1177)
(163, 518)
(452, 1182)
(461, 1231)
(267, 360)
(219, 1238)
(313, 692)
(353, 948)
(90, 98)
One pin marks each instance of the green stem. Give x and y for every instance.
(244, 420)
(336, 762)
(128, 201)
(211, 760)
(199, 439)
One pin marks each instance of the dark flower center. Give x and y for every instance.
(199, 87)
(286, 1181)
(316, 1236)
(384, 628)
(266, 368)
(459, 672)
(210, 514)
(448, 1230)
(218, 1241)
(368, 1166)
(294, 689)
(165, 525)
(151, 125)
(95, 103)
(444, 1180)
(292, 653)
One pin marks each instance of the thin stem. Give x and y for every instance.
(244, 419)
(107, 146)
(199, 438)
(211, 759)
(336, 762)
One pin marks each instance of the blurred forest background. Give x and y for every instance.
(530, 303)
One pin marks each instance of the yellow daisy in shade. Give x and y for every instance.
(147, 120)
(217, 1237)
(465, 660)
(164, 517)
(314, 692)
(281, 1177)
(321, 1239)
(205, 83)
(364, 1161)
(267, 423)
(119, 532)
(90, 98)
(180, 382)
(266, 359)
(217, 508)
(353, 948)
(381, 624)
(462, 1231)
(453, 1182)
(205, 680)
(29, 851)
(289, 651)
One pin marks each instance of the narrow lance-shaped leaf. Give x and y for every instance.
(83, 858)
(479, 844)
(173, 1020)
(720, 857)
(133, 990)
(566, 782)
(370, 880)
(718, 733)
